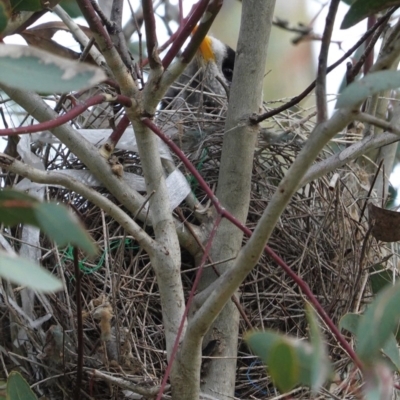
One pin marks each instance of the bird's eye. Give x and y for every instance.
(228, 74)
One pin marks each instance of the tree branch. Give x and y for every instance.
(185, 32)
(249, 255)
(68, 116)
(350, 153)
(151, 34)
(320, 84)
(78, 34)
(59, 179)
(255, 119)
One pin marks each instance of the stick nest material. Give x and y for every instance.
(319, 236)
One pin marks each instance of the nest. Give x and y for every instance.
(319, 236)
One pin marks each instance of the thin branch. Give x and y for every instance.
(201, 31)
(103, 40)
(71, 114)
(125, 384)
(151, 34)
(78, 34)
(185, 32)
(59, 179)
(368, 52)
(104, 19)
(226, 285)
(350, 153)
(380, 123)
(255, 119)
(117, 35)
(116, 134)
(78, 291)
(320, 83)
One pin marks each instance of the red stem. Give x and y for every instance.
(221, 211)
(71, 114)
(185, 32)
(119, 130)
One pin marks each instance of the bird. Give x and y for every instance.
(206, 79)
(202, 90)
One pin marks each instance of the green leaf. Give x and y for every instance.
(380, 279)
(378, 382)
(26, 5)
(302, 359)
(391, 351)
(25, 272)
(379, 322)
(5, 14)
(61, 226)
(320, 367)
(18, 388)
(55, 220)
(349, 2)
(350, 322)
(283, 366)
(361, 9)
(17, 207)
(30, 68)
(71, 7)
(371, 84)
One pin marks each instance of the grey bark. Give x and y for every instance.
(235, 179)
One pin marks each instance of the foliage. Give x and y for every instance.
(55, 220)
(167, 237)
(18, 388)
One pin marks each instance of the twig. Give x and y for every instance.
(78, 292)
(58, 178)
(223, 213)
(380, 123)
(78, 34)
(201, 31)
(255, 119)
(151, 34)
(118, 132)
(73, 113)
(185, 32)
(117, 35)
(125, 384)
(320, 82)
(94, 23)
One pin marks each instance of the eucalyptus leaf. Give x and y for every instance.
(29, 68)
(300, 360)
(5, 14)
(320, 366)
(361, 9)
(55, 220)
(378, 324)
(371, 84)
(284, 366)
(18, 388)
(351, 321)
(26, 272)
(26, 5)
(62, 226)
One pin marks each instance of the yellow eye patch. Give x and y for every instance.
(206, 49)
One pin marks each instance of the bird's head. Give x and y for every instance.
(213, 50)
